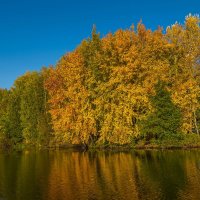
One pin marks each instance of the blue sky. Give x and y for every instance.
(36, 33)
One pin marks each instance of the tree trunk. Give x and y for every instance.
(195, 123)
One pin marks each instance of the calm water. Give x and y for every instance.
(65, 175)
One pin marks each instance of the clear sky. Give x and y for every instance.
(36, 33)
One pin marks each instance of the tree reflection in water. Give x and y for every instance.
(66, 175)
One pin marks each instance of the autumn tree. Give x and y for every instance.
(10, 127)
(185, 40)
(32, 107)
(111, 90)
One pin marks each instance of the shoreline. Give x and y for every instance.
(109, 148)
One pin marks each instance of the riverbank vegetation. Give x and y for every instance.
(134, 87)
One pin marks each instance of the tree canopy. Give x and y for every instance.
(109, 90)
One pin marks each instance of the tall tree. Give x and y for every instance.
(165, 119)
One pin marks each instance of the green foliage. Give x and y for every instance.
(23, 111)
(10, 128)
(165, 120)
(33, 113)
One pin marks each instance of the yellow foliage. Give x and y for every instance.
(100, 92)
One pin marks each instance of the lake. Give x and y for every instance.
(71, 175)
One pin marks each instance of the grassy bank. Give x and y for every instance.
(188, 141)
(170, 142)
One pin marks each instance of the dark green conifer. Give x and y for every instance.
(166, 118)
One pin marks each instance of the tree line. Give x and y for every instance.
(129, 86)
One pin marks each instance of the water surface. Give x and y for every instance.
(71, 175)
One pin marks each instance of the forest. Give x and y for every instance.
(135, 87)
